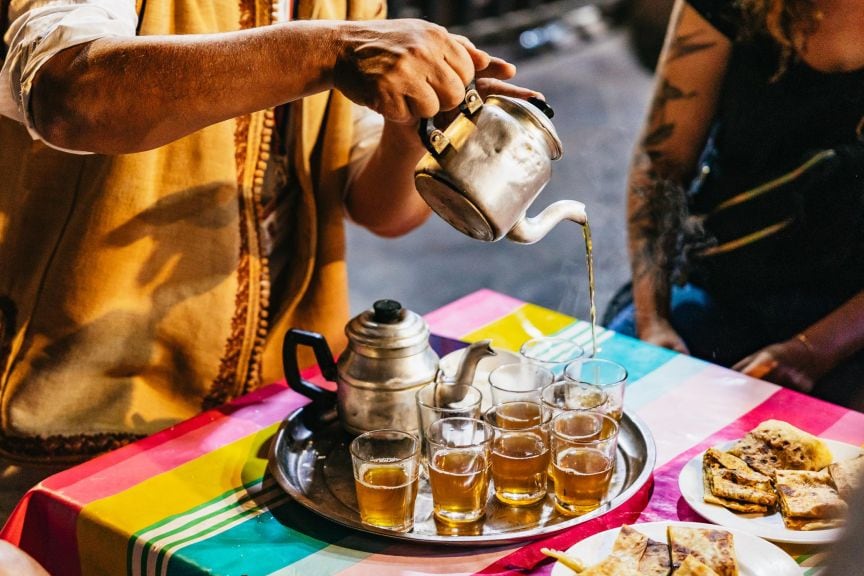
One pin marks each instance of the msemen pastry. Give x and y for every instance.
(847, 475)
(777, 445)
(693, 567)
(714, 548)
(628, 548)
(730, 482)
(808, 500)
(655, 560)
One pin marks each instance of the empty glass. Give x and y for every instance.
(445, 399)
(569, 395)
(608, 376)
(552, 353)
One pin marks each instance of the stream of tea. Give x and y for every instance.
(589, 263)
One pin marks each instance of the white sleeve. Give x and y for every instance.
(39, 29)
(367, 127)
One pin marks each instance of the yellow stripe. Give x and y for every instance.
(768, 186)
(526, 322)
(104, 526)
(744, 240)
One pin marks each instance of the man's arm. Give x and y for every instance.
(691, 70)
(119, 95)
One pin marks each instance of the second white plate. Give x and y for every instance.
(755, 556)
(768, 526)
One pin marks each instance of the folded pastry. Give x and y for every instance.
(730, 482)
(693, 567)
(777, 445)
(714, 548)
(655, 560)
(847, 475)
(627, 549)
(808, 500)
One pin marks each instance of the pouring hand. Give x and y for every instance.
(407, 69)
(789, 363)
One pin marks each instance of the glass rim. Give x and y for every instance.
(576, 439)
(432, 385)
(567, 383)
(528, 345)
(548, 375)
(488, 433)
(352, 447)
(545, 416)
(621, 376)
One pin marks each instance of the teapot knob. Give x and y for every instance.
(386, 311)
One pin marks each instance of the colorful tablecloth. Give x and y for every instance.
(195, 499)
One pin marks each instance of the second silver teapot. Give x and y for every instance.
(483, 172)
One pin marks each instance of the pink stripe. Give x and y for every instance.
(471, 313)
(166, 450)
(847, 429)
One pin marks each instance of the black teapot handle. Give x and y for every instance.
(294, 338)
(435, 141)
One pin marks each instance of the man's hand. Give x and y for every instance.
(408, 69)
(790, 363)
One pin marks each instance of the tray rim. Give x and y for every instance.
(644, 476)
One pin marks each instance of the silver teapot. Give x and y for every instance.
(482, 173)
(387, 360)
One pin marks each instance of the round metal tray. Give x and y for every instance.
(309, 459)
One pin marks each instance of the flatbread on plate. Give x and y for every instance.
(777, 445)
(693, 567)
(655, 560)
(847, 475)
(627, 549)
(714, 548)
(728, 481)
(808, 500)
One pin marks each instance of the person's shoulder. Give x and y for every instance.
(725, 15)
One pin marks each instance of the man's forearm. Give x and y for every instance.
(400, 208)
(117, 95)
(838, 335)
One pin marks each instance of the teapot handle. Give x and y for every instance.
(295, 337)
(435, 141)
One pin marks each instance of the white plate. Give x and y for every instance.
(756, 557)
(768, 526)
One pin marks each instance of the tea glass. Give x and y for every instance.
(435, 402)
(582, 461)
(386, 465)
(459, 453)
(553, 353)
(520, 452)
(607, 375)
(521, 381)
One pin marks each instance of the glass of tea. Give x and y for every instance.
(519, 381)
(552, 353)
(520, 452)
(607, 375)
(446, 399)
(584, 448)
(386, 465)
(459, 452)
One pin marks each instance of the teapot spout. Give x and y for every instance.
(530, 230)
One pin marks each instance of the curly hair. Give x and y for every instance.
(787, 22)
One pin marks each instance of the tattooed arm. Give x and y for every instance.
(689, 75)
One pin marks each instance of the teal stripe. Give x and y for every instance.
(148, 545)
(265, 544)
(636, 356)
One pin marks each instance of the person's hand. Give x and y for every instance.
(661, 333)
(790, 363)
(16, 562)
(408, 69)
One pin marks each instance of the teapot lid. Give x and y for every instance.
(535, 112)
(388, 326)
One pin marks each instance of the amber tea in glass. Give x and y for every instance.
(386, 465)
(458, 451)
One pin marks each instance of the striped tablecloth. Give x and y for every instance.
(194, 499)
